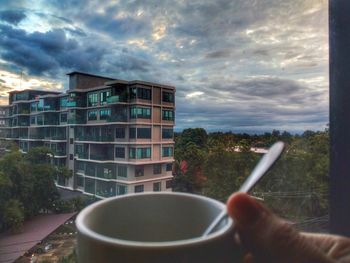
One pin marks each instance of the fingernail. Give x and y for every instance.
(244, 209)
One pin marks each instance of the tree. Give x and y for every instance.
(13, 215)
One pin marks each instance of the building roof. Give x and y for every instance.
(88, 74)
(12, 246)
(36, 90)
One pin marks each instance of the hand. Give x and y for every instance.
(267, 238)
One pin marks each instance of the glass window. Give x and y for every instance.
(133, 93)
(89, 185)
(167, 133)
(122, 171)
(122, 189)
(32, 120)
(120, 152)
(139, 170)
(119, 133)
(63, 117)
(169, 167)
(39, 120)
(132, 153)
(168, 184)
(157, 169)
(168, 96)
(132, 133)
(33, 106)
(167, 151)
(168, 115)
(92, 99)
(92, 115)
(105, 189)
(40, 106)
(140, 112)
(144, 133)
(143, 153)
(105, 114)
(157, 187)
(63, 103)
(139, 188)
(144, 94)
(104, 95)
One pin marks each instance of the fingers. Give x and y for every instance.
(268, 238)
(336, 247)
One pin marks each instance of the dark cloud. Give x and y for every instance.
(12, 16)
(47, 53)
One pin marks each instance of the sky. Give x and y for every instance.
(237, 65)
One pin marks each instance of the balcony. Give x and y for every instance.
(82, 155)
(101, 157)
(95, 138)
(60, 152)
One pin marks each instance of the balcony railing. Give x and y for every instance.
(101, 157)
(83, 155)
(60, 152)
(95, 138)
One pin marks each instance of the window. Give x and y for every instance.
(167, 133)
(168, 96)
(71, 141)
(133, 92)
(32, 120)
(63, 103)
(157, 187)
(104, 95)
(71, 157)
(92, 99)
(39, 120)
(63, 117)
(139, 188)
(168, 184)
(33, 106)
(40, 106)
(144, 133)
(144, 94)
(119, 133)
(132, 133)
(157, 169)
(122, 171)
(168, 115)
(139, 170)
(140, 112)
(169, 167)
(167, 151)
(105, 114)
(92, 115)
(122, 189)
(120, 152)
(143, 153)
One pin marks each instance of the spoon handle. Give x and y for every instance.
(263, 166)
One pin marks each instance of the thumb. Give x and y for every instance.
(267, 237)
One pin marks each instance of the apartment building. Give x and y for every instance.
(115, 135)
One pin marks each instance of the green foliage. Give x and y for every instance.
(29, 179)
(13, 215)
(296, 187)
(71, 258)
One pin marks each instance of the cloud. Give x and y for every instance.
(251, 64)
(12, 16)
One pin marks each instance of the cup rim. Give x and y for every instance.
(84, 230)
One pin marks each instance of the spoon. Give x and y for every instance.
(262, 167)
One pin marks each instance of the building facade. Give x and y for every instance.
(115, 136)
